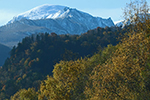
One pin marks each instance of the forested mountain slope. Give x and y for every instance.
(33, 59)
(119, 72)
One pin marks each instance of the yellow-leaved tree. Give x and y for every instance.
(24, 94)
(70, 77)
(125, 76)
(67, 82)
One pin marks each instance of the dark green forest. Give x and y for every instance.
(110, 63)
(33, 59)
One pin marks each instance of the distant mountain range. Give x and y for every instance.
(49, 18)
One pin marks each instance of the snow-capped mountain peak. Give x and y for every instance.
(42, 12)
(50, 18)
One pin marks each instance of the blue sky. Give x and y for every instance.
(100, 8)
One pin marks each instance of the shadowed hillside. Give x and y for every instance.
(4, 53)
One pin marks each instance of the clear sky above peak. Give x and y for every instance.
(100, 8)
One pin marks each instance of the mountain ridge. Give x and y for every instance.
(48, 11)
(50, 18)
(40, 12)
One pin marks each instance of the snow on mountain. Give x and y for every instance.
(56, 11)
(41, 12)
(50, 18)
(119, 23)
(122, 23)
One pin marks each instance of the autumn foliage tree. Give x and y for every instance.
(137, 12)
(70, 77)
(24, 94)
(125, 75)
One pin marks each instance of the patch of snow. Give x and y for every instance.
(41, 12)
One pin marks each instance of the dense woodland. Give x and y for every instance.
(33, 59)
(97, 65)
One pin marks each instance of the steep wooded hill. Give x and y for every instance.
(33, 59)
